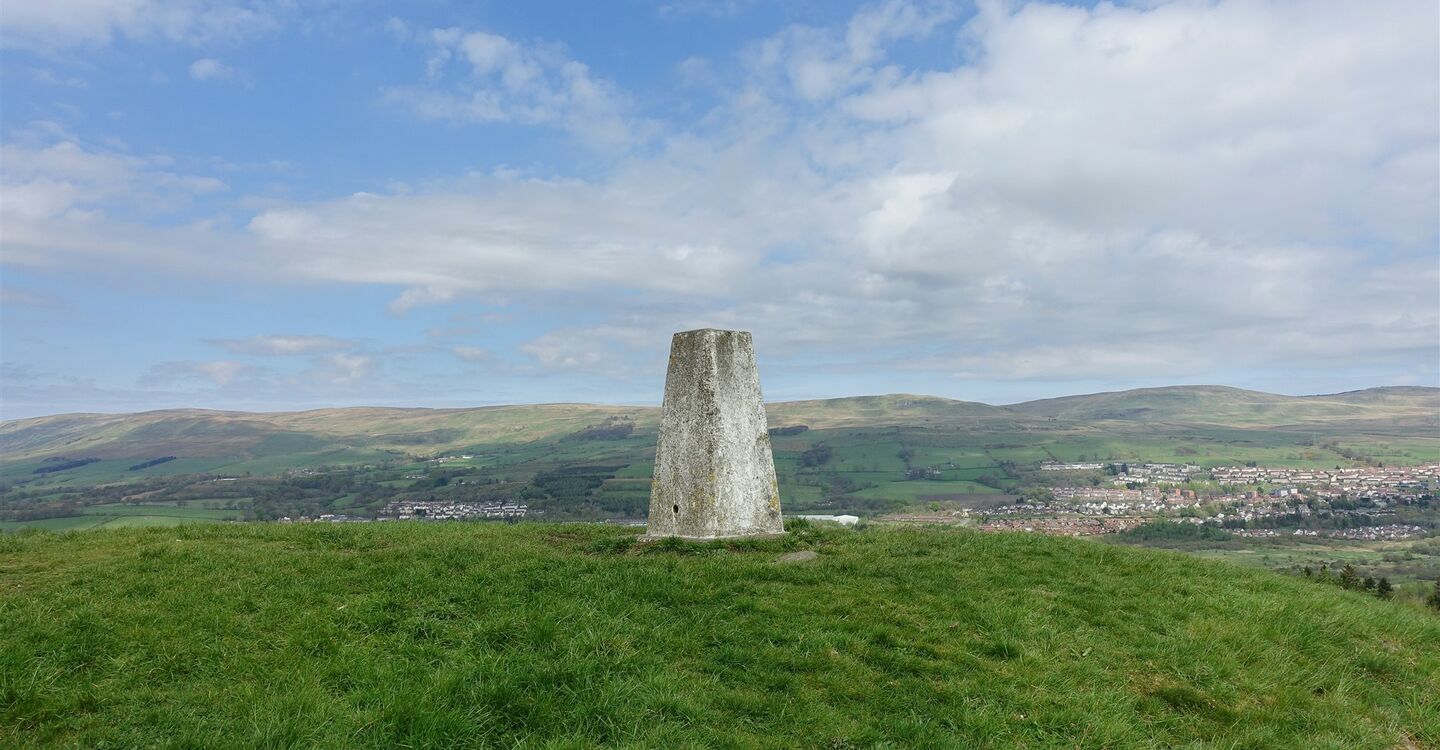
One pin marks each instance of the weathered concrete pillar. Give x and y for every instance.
(714, 474)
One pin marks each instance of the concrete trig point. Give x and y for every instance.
(714, 474)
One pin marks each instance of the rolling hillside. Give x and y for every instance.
(891, 409)
(1199, 424)
(355, 433)
(1221, 405)
(196, 433)
(452, 635)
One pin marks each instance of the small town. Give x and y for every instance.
(1250, 501)
(1231, 497)
(425, 510)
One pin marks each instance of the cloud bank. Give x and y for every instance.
(1085, 192)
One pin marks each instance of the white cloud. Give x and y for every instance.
(1226, 184)
(478, 76)
(216, 372)
(341, 369)
(208, 68)
(66, 179)
(1236, 116)
(433, 294)
(285, 345)
(55, 24)
(502, 237)
(473, 353)
(820, 63)
(696, 71)
(49, 77)
(605, 350)
(711, 8)
(332, 375)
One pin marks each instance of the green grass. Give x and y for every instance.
(212, 503)
(99, 471)
(802, 494)
(136, 520)
(126, 509)
(66, 523)
(531, 636)
(1022, 455)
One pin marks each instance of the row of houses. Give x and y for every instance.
(445, 510)
(1355, 478)
(1157, 473)
(1056, 466)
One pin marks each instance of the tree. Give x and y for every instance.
(1035, 494)
(1348, 577)
(818, 455)
(1383, 589)
(1434, 599)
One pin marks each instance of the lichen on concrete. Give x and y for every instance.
(714, 472)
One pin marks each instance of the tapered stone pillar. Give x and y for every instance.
(714, 474)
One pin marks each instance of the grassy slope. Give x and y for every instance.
(458, 635)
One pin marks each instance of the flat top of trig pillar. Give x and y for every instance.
(708, 330)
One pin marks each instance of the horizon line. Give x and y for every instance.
(656, 405)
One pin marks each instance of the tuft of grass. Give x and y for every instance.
(530, 636)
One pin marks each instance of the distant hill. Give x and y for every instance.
(192, 433)
(198, 432)
(261, 442)
(1400, 394)
(1222, 405)
(408, 634)
(895, 408)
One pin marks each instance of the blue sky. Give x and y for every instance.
(285, 205)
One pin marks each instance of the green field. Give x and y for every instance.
(919, 490)
(1411, 564)
(126, 515)
(67, 523)
(531, 636)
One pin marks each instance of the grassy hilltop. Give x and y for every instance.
(461, 635)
